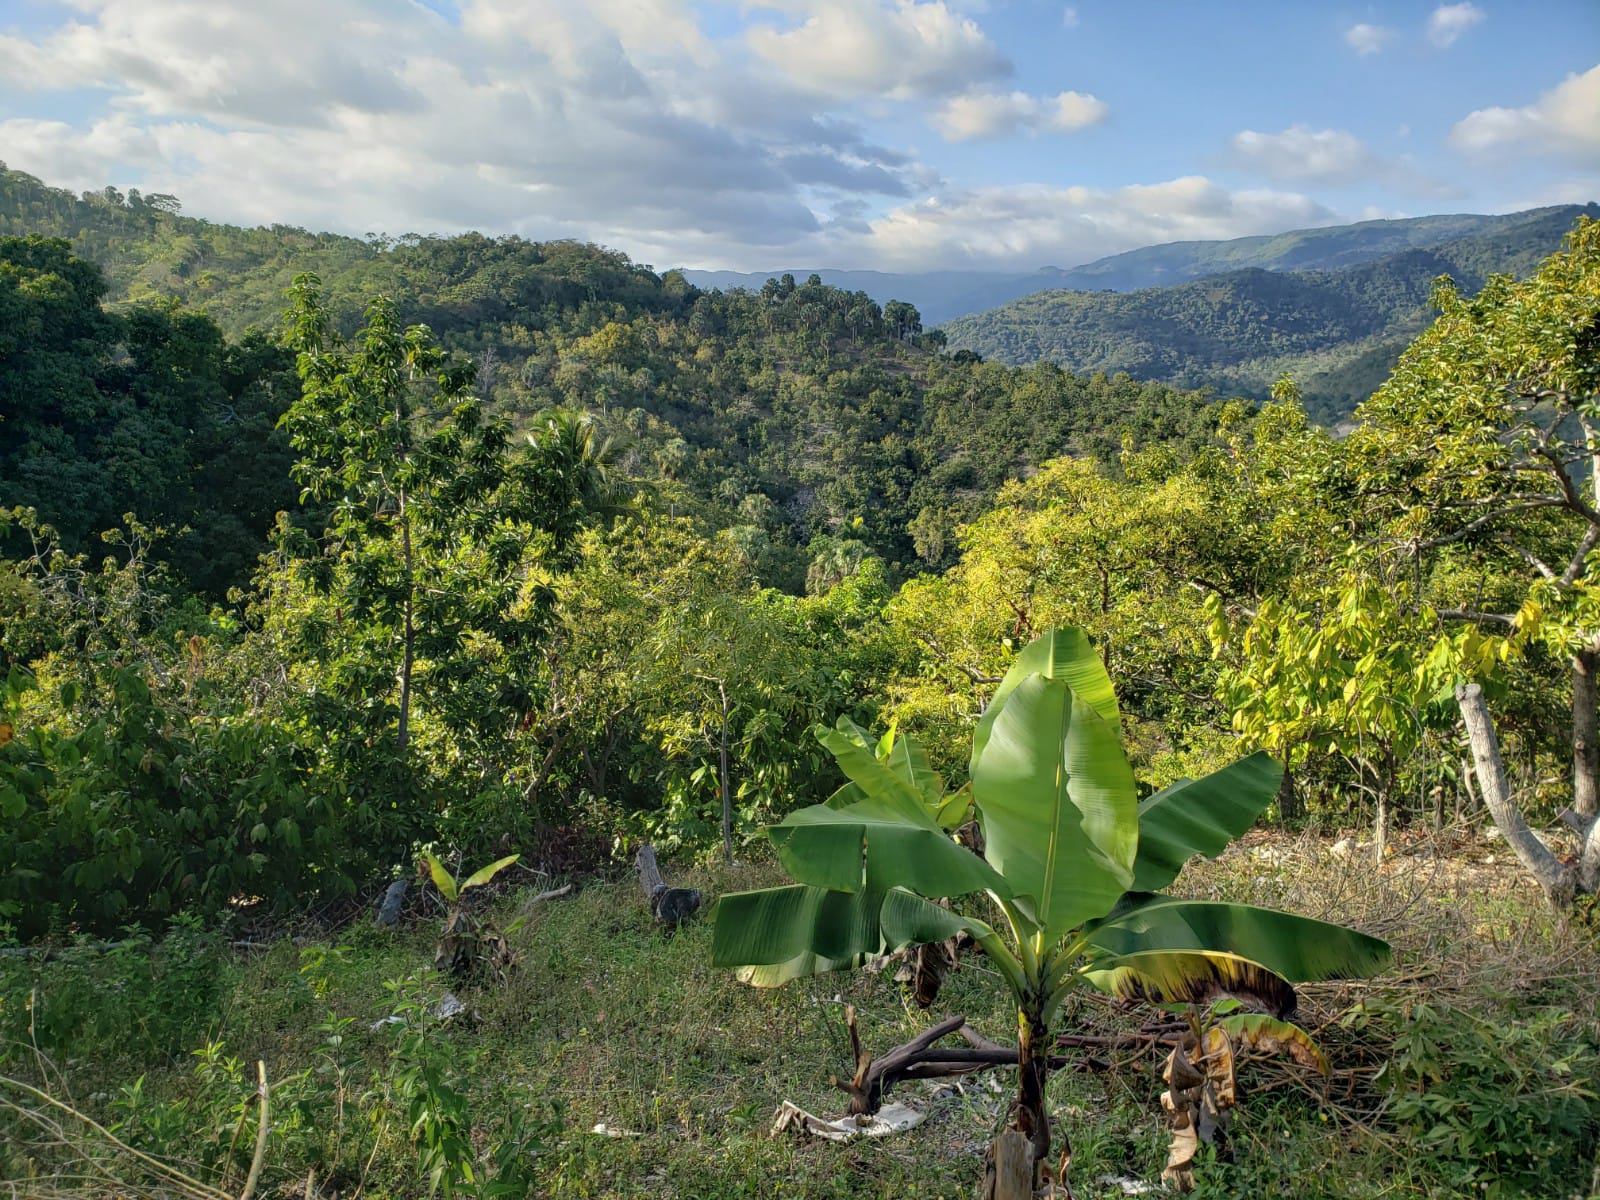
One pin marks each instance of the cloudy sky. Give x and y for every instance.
(898, 134)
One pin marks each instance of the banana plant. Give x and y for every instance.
(468, 947)
(1072, 870)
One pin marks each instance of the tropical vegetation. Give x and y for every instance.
(499, 550)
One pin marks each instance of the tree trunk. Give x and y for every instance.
(1029, 1116)
(1378, 781)
(727, 805)
(1586, 733)
(1557, 882)
(410, 633)
(1011, 1171)
(1288, 798)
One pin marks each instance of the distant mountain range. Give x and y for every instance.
(1334, 307)
(1337, 331)
(941, 296)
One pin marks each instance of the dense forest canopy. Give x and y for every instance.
(792, 416)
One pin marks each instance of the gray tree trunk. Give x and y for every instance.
(1288, 798)
(1586, 733)
(1558, 883)
(727, 803)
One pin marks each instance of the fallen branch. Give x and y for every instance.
(920, 1058)
(553, 894)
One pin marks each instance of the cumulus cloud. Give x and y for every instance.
(1034, 224)
(1303, 154)
(1332, 157)
(1368, 39)
(1449, 21)
(982, 115)
(617, 120)
(904, 50)
(620, 121)
(1563, 122)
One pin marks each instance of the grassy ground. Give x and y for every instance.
(1470, 1070)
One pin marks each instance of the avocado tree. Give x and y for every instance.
(1477, 468)
(421, 609)
(1072, 867)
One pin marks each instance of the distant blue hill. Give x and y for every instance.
(943, 295)
(1337, 321)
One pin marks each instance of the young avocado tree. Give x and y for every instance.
(1073, 865)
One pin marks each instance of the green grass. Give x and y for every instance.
(610, 1021)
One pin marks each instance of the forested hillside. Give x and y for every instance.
(1338, 331)
(804, 420)
(1325, 249)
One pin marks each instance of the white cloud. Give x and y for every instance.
(1331, 157)
(1368, 39)
(1563, 122)
(1304, 155)
(1565, 191)
(1449, 21)
(1034, 225)
(903, 50)
(617, 120)
(1069, 18)
(982, 115)
(621, 121)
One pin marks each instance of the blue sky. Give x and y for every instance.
(897, 134)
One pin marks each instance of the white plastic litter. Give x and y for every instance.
(447, 1007)
(442, 1009)
(1129, 1185)
(891, 1118)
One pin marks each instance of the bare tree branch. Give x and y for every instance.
(1527, 556)
(1472, 527)
(1580, 556)
(1464, 614)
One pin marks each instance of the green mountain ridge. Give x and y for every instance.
(944, 295)
(802, 421)
(1337, 331)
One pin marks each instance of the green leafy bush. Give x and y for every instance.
(142, 997)
(1509, 1105)
(138, 813)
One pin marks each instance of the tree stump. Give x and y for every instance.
(1009, 1173)
(669, 905)
(394, 896)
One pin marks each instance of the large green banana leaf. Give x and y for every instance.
(1201, 816)
(877, 843)
(881, 831)
(905, 759)
(1193, 976)
(1297, 948)
(955, 808)
(784, 933)
(908, 760)
(1057, 802)
(1060, 654)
